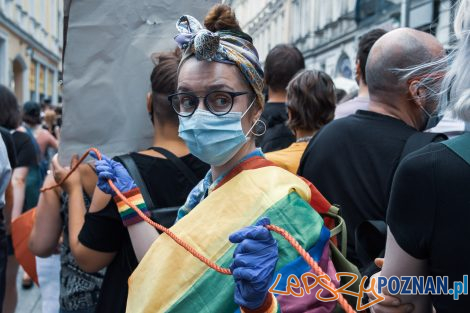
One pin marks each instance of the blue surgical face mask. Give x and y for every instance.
(213, 139)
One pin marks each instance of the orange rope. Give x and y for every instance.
(310, 261)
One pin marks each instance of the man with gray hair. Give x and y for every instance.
(352, 160)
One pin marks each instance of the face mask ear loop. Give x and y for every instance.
(249, 107)
(425, 111)
(252, 126)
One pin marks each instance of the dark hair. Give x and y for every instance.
(311, 100)
(10, 116)
(164, 82)
(221, 17)
(32, 113)
(365, 44)
(340, 94)
(282, 63)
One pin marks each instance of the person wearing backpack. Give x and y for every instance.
(166, 173)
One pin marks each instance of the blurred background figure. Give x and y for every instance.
(47, 143)
(6, 208)
(51, 121)
(311, 103)
(361, 101)
(277, 74)
(47, 268)
(27, 157)
(5, 175)
(79, 291)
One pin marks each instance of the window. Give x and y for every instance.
(32, 77)
(50, 83)
(41, 79)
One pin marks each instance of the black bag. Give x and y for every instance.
(164, 216)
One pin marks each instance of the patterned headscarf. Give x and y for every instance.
(226, 46)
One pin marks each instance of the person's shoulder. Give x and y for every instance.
(433, 149)
(336, 127)
(7, 137)
(278, 155)
(434, 156)
(4, 131)
(199, 167)
(21, 137)
(44, 132)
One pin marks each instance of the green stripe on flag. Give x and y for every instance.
(213, 292)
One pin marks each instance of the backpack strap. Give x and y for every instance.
(180, 165)
(131, 167)
(460, 145)
(419, 140)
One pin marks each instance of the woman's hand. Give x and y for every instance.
(59, 172)
(254, 262)
(110, 169)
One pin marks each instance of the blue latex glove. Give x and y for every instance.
(110, 169)
(254, 262)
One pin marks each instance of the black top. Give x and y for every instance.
(352, 162)
(278, 136)
(10, 145)
(104, 231)
(428, 215)
(25, 150)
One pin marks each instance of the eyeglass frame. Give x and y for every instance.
(230, 93)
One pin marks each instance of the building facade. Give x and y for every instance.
(327, 32)
(31, 48)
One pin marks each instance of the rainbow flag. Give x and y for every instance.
(169, 279)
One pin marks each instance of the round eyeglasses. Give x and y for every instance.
(217, 102)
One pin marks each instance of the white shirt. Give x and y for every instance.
(450, 126)
(5, 172)
(350, 107)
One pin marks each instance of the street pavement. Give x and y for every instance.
(29, 300)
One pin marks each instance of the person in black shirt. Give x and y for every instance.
(282, 63)
(101, 239)
(428, 212)
(352, 160)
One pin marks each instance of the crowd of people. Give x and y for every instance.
(236, 147)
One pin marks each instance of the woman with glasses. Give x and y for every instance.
(99, 238)
(219, 101)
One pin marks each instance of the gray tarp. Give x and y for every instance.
(107, 67)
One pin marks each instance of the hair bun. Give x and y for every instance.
(221, 17)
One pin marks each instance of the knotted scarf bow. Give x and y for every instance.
(227, 46)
